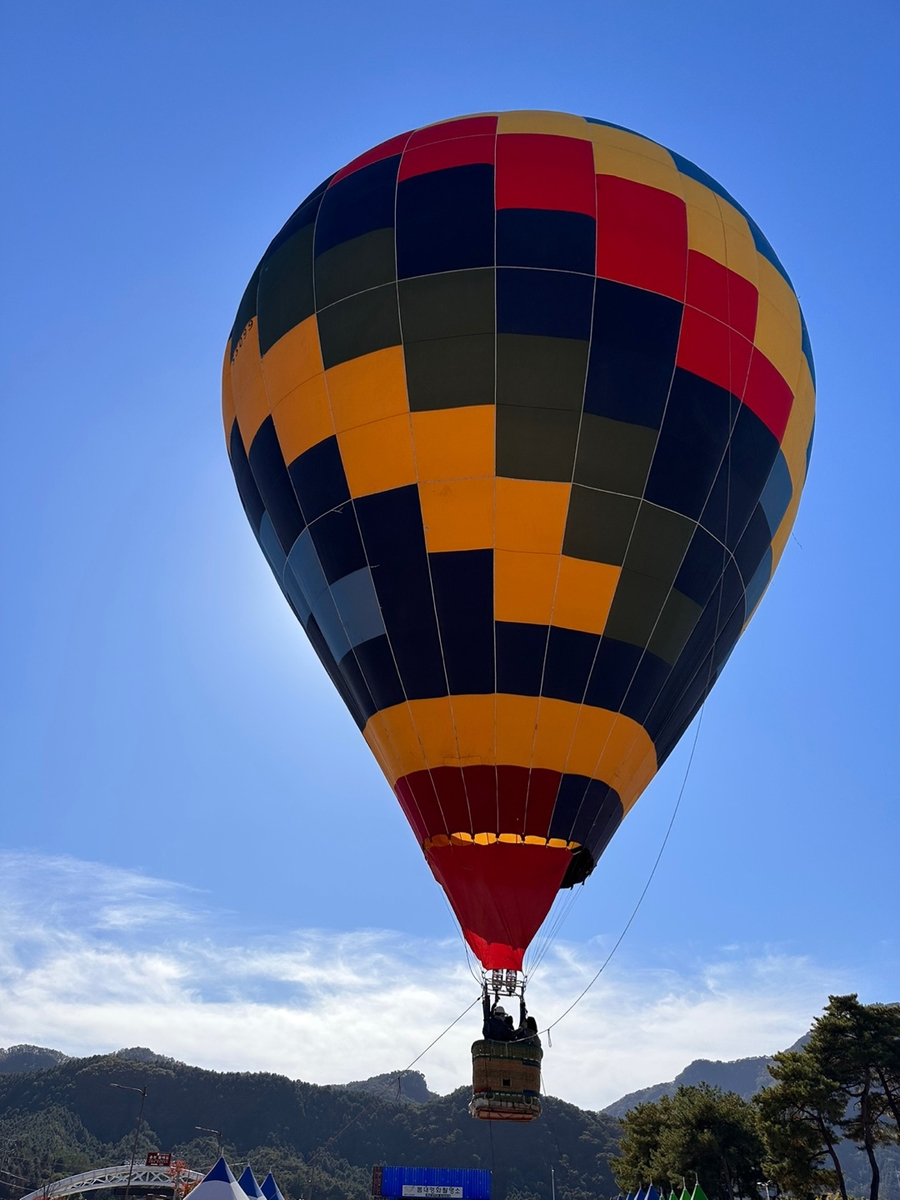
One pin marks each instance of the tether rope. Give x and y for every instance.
(640, 900)
(709, 680)
(382, 1092)
(687, 770)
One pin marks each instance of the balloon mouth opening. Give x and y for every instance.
(579, 868)
(490, 839)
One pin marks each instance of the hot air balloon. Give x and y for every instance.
(519, 407)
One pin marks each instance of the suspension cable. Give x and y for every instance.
(465, 946)
(555, 925)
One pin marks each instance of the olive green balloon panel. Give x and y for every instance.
(519, 407)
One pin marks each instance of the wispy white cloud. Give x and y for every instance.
(93, 958)
(44, 890)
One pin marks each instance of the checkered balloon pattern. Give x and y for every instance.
(520, 407)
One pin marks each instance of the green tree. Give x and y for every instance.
(886, 1021)
(800, 1119)
(856, 1045)
(38, 1147)
(714, 1135)
(700, 1131)
(634, 1165)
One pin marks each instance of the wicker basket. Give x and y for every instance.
(506, 1081)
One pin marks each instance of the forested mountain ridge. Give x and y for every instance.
(60, 1115)
(67, 1118)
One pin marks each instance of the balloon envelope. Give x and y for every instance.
(519, 407)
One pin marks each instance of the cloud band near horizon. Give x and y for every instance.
(93, 958)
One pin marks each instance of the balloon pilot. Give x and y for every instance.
(499, 1026)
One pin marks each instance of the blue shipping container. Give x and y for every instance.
(435, 1183)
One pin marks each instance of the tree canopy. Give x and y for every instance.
(841, 1088)
(844, 1084)
(699, 1133)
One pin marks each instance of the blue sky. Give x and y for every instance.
(163, 717)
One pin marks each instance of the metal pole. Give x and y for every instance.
(552, 1184)
(142, 1092)
(219, 1136)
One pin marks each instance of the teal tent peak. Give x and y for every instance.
(248, 1184)
(270, 1188)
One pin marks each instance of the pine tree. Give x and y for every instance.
(856, 1045)
(800, 1122)
(700, 1132)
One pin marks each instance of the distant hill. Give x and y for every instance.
(408, 1088)
(29, 1058)
(143, 1054)
(742, 1075)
